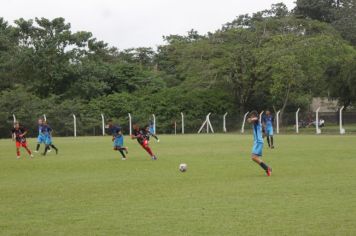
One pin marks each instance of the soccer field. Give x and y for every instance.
(88, 190)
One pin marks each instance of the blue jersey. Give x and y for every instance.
(115, 130)
(40, 128)
(268, 120)
(257, 132)
(46, 130)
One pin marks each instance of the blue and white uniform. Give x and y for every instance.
(268, 120)
(47, 132)
(118, 137)
(257, 138)
(41, 137)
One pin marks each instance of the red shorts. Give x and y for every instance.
(19, 144)
(144, 143)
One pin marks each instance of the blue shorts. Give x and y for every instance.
(257, 149)
(269, 131)
(119, 141)
(48, 140)
(41, 138)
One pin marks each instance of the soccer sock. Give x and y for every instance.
(18, 152)
(46, 149)
(268, 141)
(122, 153)
(38, 147)
(54, 147)
(264, 166)
(272, 141)
(28, 150)
(148, 149)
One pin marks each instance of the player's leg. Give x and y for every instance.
(54, 147)
(46, 150)
(268, 141)
(18, 154)
(148, 150)
(24, 145)
(39, 141)
(121, 150)
(256, 157)
(272, 145)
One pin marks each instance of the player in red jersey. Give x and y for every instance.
(142, 138)
(19, 135)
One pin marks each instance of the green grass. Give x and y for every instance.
(88, 190)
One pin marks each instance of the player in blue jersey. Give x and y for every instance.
(258, 142)
(41, 137)
(118, 139)
(267, 122)
(150, 132)
(47, 131)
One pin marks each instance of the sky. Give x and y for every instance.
(136, 23)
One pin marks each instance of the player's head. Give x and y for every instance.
(253, 114)
(17, 124)
(268, 113)
(40, 121)
(136, 127)
(110, 122)
(147, 127)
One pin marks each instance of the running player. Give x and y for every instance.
(118, 139)
(267, 122)
(19, 135)
(258, 142)
(47, 131)
(141, 136)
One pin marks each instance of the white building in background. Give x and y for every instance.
(325, 104)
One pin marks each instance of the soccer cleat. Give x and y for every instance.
(32, 156)
(49, 150)
(154, 158)
(36, 151)
(18, 157)
(157, 140)
(269, 171)
(123, 159)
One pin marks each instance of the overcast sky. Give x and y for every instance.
(135, 23)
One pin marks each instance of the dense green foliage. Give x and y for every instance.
(88, 190)
(276, 59)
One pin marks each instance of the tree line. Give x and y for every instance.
(275, 59)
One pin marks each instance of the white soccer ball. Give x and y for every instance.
(183, 167)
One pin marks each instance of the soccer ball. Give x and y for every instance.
(183, 167)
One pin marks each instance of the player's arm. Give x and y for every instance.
(252, 120)
(24, 133)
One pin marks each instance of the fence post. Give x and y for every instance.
(277, 120)
(243, 123)
(44, 117)
(297, 121)
(342, 130)
(130, 123)
(154, 123)
(14, 118)
(182, 115)
(103, 123)
(75, 125)
(175, 127)
(224, 123)
(260, 117)
(318, 131)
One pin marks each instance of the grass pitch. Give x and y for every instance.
(88, 190)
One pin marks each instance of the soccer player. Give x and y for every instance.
(142, 138)
(47, 131)
(258, 142)
(19, 135)
(267, 122)
(41, 137)
(149, 133)
(118, 139)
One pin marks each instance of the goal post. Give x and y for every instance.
(342, 130)
(317, 128)
(297, 121)
(75, 125)
(244, 122)
(277, 121)
(103, 124)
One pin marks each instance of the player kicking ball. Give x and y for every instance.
(258, 142)
(142, 137)
(267, 121)
(19, 135)
(118, 139)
